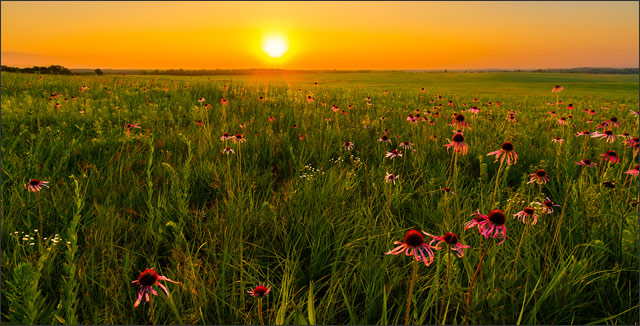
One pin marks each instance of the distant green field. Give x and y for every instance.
(140, 175)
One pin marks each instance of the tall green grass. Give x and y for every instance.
(292, 209)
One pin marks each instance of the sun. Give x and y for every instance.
(275, 47)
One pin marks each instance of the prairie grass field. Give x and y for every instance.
(138, 177)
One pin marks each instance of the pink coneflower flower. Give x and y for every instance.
(239, 139)
(458, 144)
(592, 112)
(491, 225)
(223, 101)
(147, 280)
(539, 177)
(413, 245)
(511, 118)
(385, 92)
(459, 121)
(552, 113)
(612, 122)
(208, 106)
(390, 178)
(260, 291)
(570, 106)
(384, 139)
(410, 117)
(527, 212)
(612, 156)
(563, 121)
(633, 143)
(347, 146)
(405, 144)
(475, 221)
(448, 190)
(228, 151)
(36, 185)
(225, 137)
(625, 135)
(335, 108)
(84, 88)
(309, 98)
(451, 240)
(200, 100)
(368, 99)
(128, 126)
(584, 133)
(506, 151)
(393, 154)
(546, 206)
(557, 89)
(557, 140)
(450, 103)
(634, 171)
(422, 89)
(474, 110)
(586, 162)
(608, 136)
(272, 118)
(199, 123)
(636, 113)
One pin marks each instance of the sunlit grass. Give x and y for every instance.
(293, 209)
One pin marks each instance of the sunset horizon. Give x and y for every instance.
(320, 35)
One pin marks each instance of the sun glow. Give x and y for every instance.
(275, 46)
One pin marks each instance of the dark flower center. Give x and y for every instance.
(548, 203)
(563, 119)
(394, 152)
(34, 182)
(540, 173)
(406, 143)
(385, 137)
(238, 136)
(586, 161)
(458, 138)
(225, 135)
(497, 217)
(450, 238)
(459, 118)
(587, 133)
(612, 154)
(413, 238)
(528, 210)
(637, 167)
(447, 189)
(636, 139)
(148, 277)
(260, 291)
(507, 146)
(608, 132)
(613, 119)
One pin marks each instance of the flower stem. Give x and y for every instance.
(495, 189)
(519, 245)
(260, 311)
(466, 315)
(446, 290)
(414, 275)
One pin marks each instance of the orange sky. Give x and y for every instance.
(321, 35)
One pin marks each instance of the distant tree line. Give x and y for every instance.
(633, 71)
(51, 70)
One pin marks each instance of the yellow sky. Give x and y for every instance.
(321, 35)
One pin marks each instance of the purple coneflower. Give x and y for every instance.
(239, 139)
(634, 171)
(546, 206)
(458, 121)
(405, 144)
(587, 162)
(260, 291)
(228, 151)
(458, 144)
(413, 245)
(36, 185)
(527, 212)
(393, 154)
(384, 139)
(612, 156)
(584, 133)
(557, 140)
(492, 225)
(563, 121)
(225, 136)
(451, 240)
(506, 151)
(608, 136)
(539, 177)
(347, 146)
(390, 178)
(147, 280)
(557, 89)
